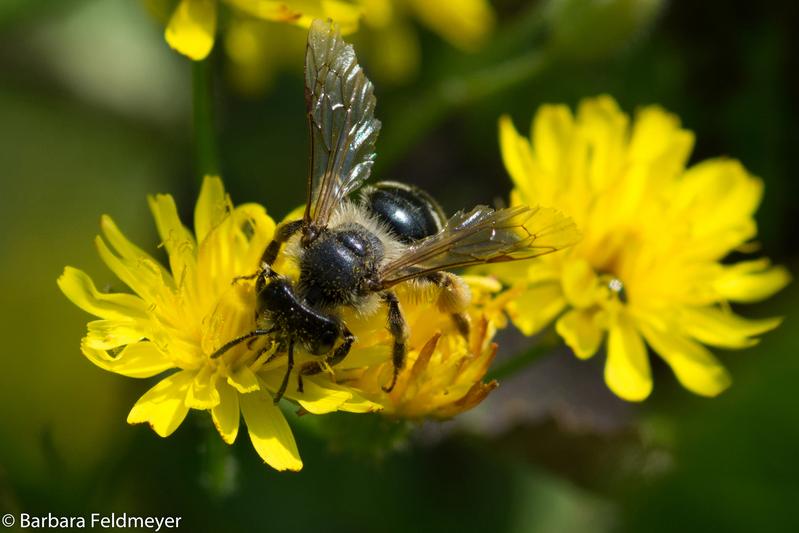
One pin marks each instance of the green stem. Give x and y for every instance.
(521, 361)
(204, 139)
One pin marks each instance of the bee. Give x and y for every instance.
(352, 253)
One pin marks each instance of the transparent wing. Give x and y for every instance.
(484, 235)
(340, 104)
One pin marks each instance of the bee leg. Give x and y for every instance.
(399, 330)
(453, 299)
(238, 340)
(289, 366)
(283, 233)
(315, 367)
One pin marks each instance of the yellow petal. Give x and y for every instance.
(316, 397)
(751, 281)
(536, 307)
(226, 413)
(177, 240)
(110, 334)
(79, 288)
(580, 331)
(359, 404)
(518, 159)
(579, 283)
(138, 360)
(144, 277)
(269, 432)
(657, 138)
(164, 406)
(213, 205)
(202, 393)
(465, 23)
(243, 380)
(192, 27)
(694, 366)
(126, 249)
(345, 14)
(627, 371)
(725, 329)
(552, 134)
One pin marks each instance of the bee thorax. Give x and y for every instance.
(340, 266)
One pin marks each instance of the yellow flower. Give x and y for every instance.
(192, 26)
(443, 373)
(649, 269)
(257, 49)
(177, 318)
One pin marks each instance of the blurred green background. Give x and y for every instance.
(95, 113)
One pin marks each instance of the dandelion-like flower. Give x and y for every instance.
(650, 269)
(444, 370)
(192, 25)
(176, 320)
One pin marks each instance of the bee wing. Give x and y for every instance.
(484, 235)
(340, 105)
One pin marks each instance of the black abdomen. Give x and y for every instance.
(410, 213)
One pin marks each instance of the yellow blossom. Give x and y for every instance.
(257, 48)
(191, 29)
(650, 269)
(443, 373)
(177, 317)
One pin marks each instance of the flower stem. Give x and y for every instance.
(520, 361)
(204, 139)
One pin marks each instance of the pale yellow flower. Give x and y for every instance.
(650, 269)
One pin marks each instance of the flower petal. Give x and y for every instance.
(144, 277)
(627, 371)
(535, 307)
(164, 406)
(226, 414)
(243, 380)
(213, 205)
(137, 360)
(579, 283)
(177, 240)
(517, 156)
(751, 281)
(110, 334)
(192, 27)
(695, 367)
(580, 331)
(203, 393)
(269, 432)
(464, 24)
(79, 288)
(315, 398)
(126, 249)
(552, 133)
(725, 329)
